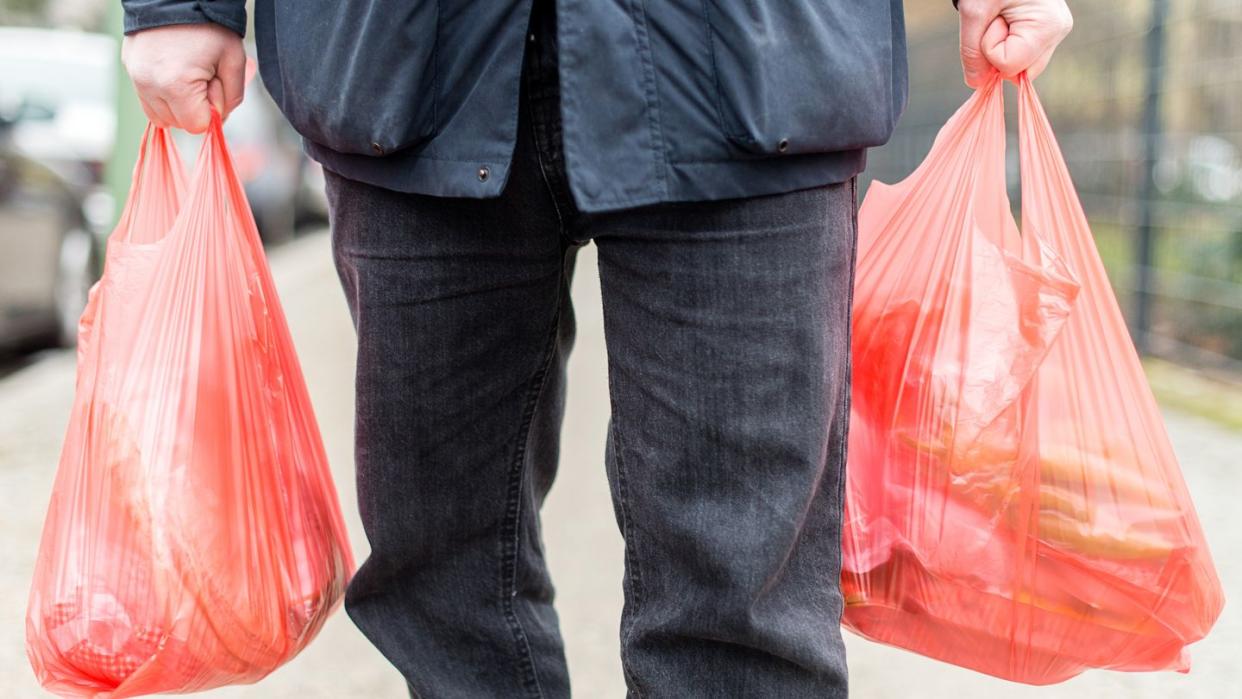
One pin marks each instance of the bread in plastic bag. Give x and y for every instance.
(194, 538)
(1013, 504)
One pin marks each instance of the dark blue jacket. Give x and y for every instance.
(667, 100)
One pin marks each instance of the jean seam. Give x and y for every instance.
(845, 404)
(633, 572)
(510, 534)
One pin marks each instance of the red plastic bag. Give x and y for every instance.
(1013, 503)
(194, 537)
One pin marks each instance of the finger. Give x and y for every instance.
(154, 117)
(976, 18)
(231, 75)
(1024, 43)
(157, 111)
(215, 97)
(995, 35)
(190, 108)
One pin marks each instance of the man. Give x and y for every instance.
(709, 150)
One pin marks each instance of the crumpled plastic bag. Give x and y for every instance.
(1013, 504)
(194, 538)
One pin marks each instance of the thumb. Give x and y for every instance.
(215, 96)
(191, 108)
(979, 25)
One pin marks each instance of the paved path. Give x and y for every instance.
(584, 547)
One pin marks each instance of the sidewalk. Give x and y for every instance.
(584, 547)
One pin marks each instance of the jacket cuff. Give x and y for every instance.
(147, 14)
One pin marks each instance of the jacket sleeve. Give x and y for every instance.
(146, 14)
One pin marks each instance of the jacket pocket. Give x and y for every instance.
(315, 56)
(804, 77)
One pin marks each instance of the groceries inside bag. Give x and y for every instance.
(1013, 503)
(194, 538)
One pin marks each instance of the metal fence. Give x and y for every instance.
(1146, 100)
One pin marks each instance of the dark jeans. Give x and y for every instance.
(727, 325)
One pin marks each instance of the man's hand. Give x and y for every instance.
(181, 71)
(1010, 36)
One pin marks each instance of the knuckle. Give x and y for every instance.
(171, 76)
(165, 79)
(1067, 21)
(142, 82)
(972, 10)
(139, 73)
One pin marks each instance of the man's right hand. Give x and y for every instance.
(181, 71)
(1010, 36)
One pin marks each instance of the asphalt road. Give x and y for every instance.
(584, 547)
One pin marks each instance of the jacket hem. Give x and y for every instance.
(683, 181)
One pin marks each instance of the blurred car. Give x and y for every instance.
(312, 204)
(49, 255)
(59, 89)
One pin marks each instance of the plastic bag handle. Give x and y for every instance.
(157, 185)
(1045, 176)
(219, 145)
(215, 177)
